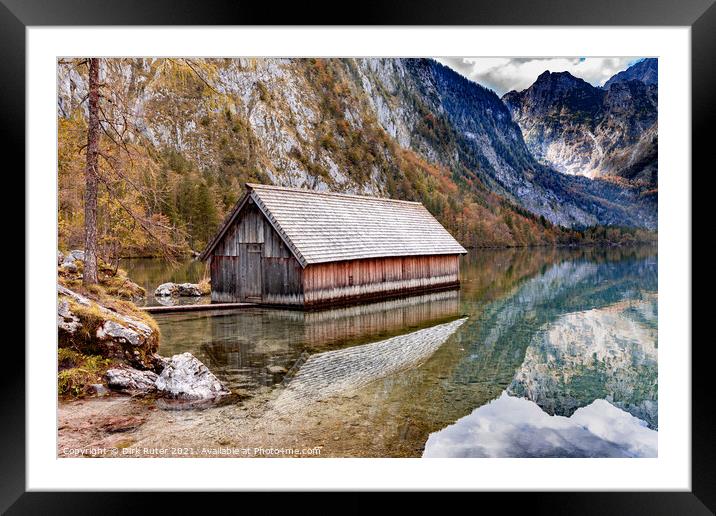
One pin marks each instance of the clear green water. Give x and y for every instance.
(152, 272)
(556, 344)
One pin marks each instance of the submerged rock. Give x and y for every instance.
(185, 377)
(131, 380)
(119, 424)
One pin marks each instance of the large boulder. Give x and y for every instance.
(133, 381)
(167, 290)
(181, 290)
(91, 328)
(133, 333)
(185, 377)
(190, 290)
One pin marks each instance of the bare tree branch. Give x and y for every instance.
(169, 250)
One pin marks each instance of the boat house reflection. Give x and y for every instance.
(252, 347)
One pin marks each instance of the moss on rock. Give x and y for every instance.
(112, 281)
(107, 327)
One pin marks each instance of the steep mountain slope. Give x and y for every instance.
(579, 129)
(646, 71)
(405, 128)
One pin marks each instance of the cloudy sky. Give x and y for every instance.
(503, 74)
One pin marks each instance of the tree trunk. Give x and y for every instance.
(91, 171)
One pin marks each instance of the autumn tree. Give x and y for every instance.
(89, 276)
(122, 201)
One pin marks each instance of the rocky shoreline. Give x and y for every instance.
(106, 344)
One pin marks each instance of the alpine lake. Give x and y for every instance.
(542, 352)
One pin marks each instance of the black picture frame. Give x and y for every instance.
(699, 15)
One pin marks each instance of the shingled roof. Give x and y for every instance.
(322, 227)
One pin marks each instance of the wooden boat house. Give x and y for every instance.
(302, 248)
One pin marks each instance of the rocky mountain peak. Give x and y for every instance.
(580, 129)
(404, 128)
(645, 71)
(633, 98)
(555, 92)
(562, 78)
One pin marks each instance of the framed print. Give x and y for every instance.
(420, 249)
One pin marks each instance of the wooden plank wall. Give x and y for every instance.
(224, 278)
(373, 277)
(234, 277)
(252, 263)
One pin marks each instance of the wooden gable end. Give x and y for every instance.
(251, 263)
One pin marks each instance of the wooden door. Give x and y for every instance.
(250, 273)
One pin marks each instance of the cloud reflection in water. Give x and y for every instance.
(516, 427)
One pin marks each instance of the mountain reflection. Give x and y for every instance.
(577, 332)
(558, 342)
(512, 300)
(579, 342)
(603, 353)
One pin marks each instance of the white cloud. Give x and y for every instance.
(503, 74)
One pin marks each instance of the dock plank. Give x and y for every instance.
(195, 308)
